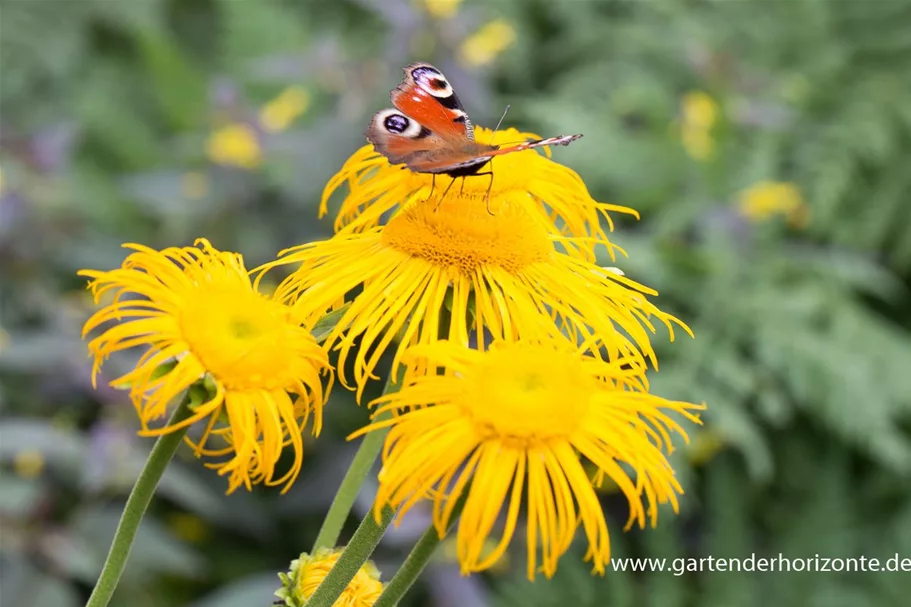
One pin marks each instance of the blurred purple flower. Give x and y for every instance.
(109, 443)
(51, 148)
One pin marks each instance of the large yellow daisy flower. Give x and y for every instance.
(555, 192)
(447, 268)
(515, 421)
(196, 312)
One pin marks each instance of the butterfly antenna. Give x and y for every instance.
(499, 122)
(490, 172)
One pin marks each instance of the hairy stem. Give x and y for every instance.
(356, 553)
(417, 560)
(360, 467)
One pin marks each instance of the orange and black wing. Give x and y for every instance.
(427, 127)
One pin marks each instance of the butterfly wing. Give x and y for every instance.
(457, 164)
(558, 140)
(428, 127)
(399, 138)
(426, 96)
(403, 140)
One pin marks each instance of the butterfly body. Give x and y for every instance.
(429, 131)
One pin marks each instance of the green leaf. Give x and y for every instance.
(325, 325)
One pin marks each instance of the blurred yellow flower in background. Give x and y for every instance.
(197, 314)
(235, 144)
(278, 114)
(515, 421)
(29, 463)
(451, 269)
(765, 199)
(308, 571)
(699, 110)
(553, 193)
(441, 9)
(699, 116)
(188, 526)
(705, 446)
(483, 46)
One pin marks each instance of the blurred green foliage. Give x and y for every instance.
(802, 316)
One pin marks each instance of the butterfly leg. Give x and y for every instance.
(433, 183)
(440, 201)
(489, 187)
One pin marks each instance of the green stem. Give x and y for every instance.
(135, 508)
(417, 559)
(360, 467)
(356, 553)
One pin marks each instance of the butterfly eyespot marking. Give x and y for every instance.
(396, 123)
(393, 121)
(432, 81)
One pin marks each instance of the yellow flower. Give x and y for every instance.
(767, 198)
(483, 46)
(500, 273)
(698, 143)
(699, 110)
(188, 527)
(699, 115)
(29, 463)
(197, 313)
(705, 446)
(442, 9)
(515, 421)
(235, 144)
(278, 114)
(307, 572)
(554, 193)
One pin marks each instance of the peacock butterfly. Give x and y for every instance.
(429, 132)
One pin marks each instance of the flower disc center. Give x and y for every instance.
(460, 232)
(529, 393)
(241, 338)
